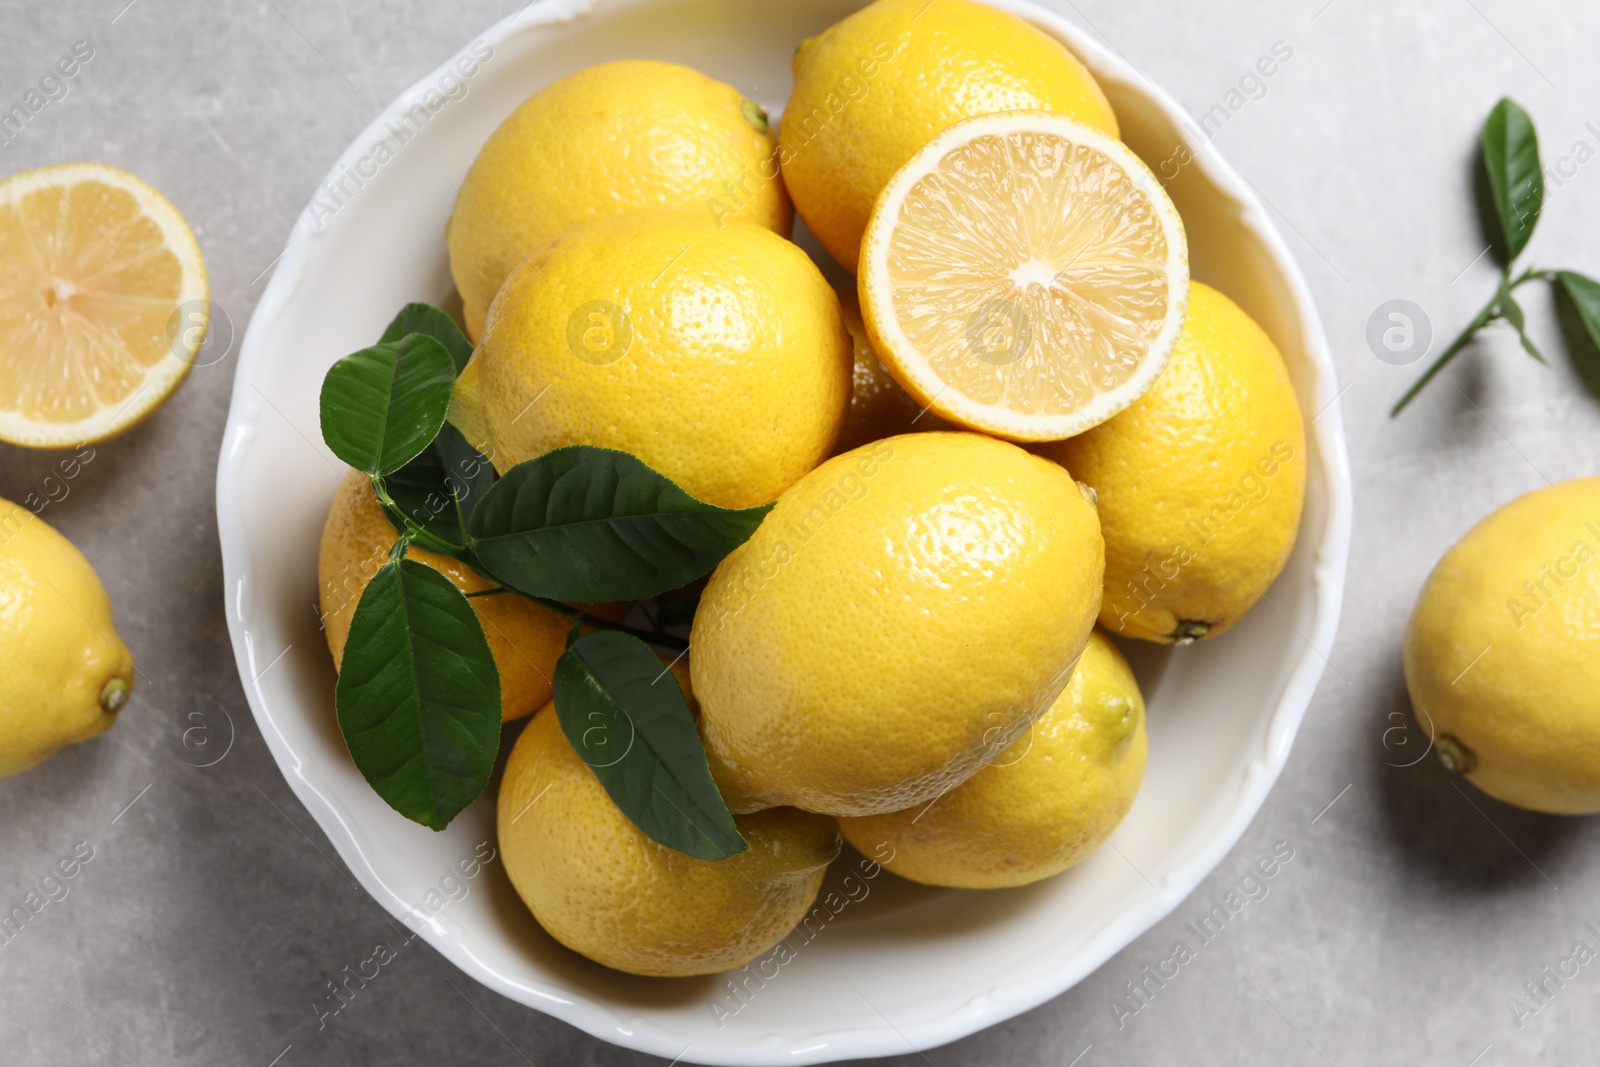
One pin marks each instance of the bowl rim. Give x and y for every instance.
(984, 1008)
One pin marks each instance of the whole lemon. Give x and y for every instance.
(1200, 481)
(1502, 656)
(900, 617)
(601, 887)
(1045, 803)
(878, 85)
(608, 139)
(715, 353)
(879, 408)
(526, 638)
(64, 672)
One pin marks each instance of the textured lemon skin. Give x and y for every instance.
(735, 381)
(1045, 803)
(904, 612)
(878, 85)
(601, 887)
(879, 408)
(610, 138)
(1507, 674)
(526, 639)
(1200, 481)
(58, 649)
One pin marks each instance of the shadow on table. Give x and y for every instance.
(1447, 830)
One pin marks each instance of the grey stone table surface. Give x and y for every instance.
(211, 914)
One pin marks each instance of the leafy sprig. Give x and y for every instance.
(1516, 187)
(418, 698)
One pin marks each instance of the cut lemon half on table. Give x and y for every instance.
(1024, 275)
(103, 303)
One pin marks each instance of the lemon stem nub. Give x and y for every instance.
(1189, 631)
(114, 694)
(1454, 755)
(756, 115)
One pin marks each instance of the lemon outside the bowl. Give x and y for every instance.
(1502, 655)
(104, 304)
(64, 672)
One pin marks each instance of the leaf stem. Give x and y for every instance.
(401, 546)
(1532, 274)
(1490, 311)
(414, 532)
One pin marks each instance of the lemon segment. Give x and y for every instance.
(1025, 275)
(93, 265)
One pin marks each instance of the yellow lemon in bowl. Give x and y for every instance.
(877, 86)
(601, 887)
(610, 138)
(879, 408)
(526, 638)
(714, 353)
(1040, 806)
(904, 612)
(1200, 482)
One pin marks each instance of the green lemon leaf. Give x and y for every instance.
(627, 719)
(429, 320)
(439, 489)
(381, 406)
(589, 524)
(1584, 293)
(1511, 157)
(1529, 347)
(418, 696)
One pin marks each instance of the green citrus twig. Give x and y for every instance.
(1492, 312)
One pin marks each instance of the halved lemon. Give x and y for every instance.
(1024, 275)
(103, 303)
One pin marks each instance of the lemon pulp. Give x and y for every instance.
(1025, 275)
(93, 264)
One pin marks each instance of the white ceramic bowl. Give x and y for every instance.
(903, 966)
